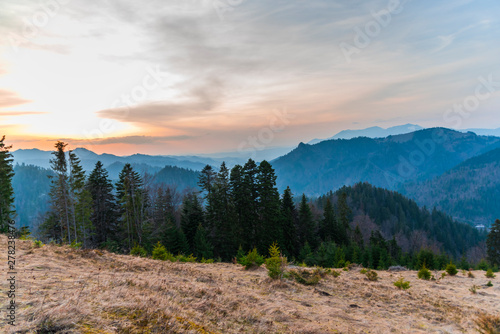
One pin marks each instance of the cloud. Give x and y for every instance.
(21, 113)
(135, 140)
(9, 99)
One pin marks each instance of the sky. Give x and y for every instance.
(206, 76)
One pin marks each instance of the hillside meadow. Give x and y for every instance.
(63, 290)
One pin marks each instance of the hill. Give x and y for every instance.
(372, 132)
(413, 228)
(469, 192)
(62, 290)
(384, 162)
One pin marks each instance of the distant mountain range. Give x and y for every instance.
(372, 132)
(42, 158)
(378, 132)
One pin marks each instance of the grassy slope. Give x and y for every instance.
(70, 291)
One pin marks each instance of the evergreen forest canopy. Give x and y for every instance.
(240, 209)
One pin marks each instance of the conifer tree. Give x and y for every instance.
(329, 229)
(6, 191)
(104, 210)
(192, 216)
(268, 228)
(307, 226)
(344, 214)
(80, 199)
(289, 224)
(202, 246)
(493, 243)
(59, 192)
(132, 201)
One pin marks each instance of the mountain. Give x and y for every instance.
(396, 216)
(484, 132)
(88, 158)
(372, 132)
(469, 192)
(384, 162)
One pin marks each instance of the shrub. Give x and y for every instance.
(276, 263)
(451, 269)
(363, 271)
(138, 250)
(488, 324)
(252, 259)
(470, 274)
(307, 277)
(371, 275)
(183, 258)
(489, 274)
(402, 284)
(75, 245)
(443, 275)
(335, 273)
(203, 260)
(161, 253)
(473, 289)
(37, 244)
(424, 273)
(489, 283)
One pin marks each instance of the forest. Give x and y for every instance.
(240, 209)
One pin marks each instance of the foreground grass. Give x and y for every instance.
(63, 290)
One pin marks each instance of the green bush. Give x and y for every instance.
(252, 259)
(138, 250)
(402, 284)
(489, 283)
(451, 269)
(161, 253)
(473, 289)
(424, 273)
(363, 271)
(371, 275)
(184, 258)
(489, 273)
(75, 245)
(470, 274)
(37, 244)
(203, 260)
(335, 273)
(307, 277)
(276, 263)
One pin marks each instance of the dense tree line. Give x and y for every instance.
(7, 211)
(240, 209)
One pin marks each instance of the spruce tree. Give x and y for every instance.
(329, 230)
(132, 202)
(493, 243)
(104, 210)
(80, 199)
(289, 224)
(307, 226)
(202, 246)
(344, 215)
(6, 191)
(192, 216)
(268, 227)
(59, 192)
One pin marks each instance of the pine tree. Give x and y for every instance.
(192, 216)
(493, 243)
(80, 199)
(59, 193)
(132, 201)
(344, 214)
(207, 177)
(202, 247)
(289, 224)
(329, 230)
(104, 210)
(307, 226)
(268, 228)
(6, 191)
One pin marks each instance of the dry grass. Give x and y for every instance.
(68, 291)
